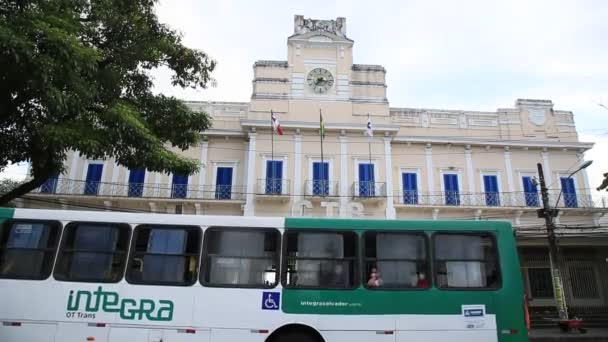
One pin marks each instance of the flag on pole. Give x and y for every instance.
(321, 125)
(369, 131)
(276, 126)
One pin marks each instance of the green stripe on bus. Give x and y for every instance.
(6, 213)
(506, 303)
(360, 224)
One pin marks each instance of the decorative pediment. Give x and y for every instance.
(320, 31)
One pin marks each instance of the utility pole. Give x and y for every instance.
(556, 276)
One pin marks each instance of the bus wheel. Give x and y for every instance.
(294, 336)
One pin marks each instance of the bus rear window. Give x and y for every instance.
(466, 261)
(320, 260)
(27, 248)
(240, 258)
(395, 260)
(93, 252)
(164, 255)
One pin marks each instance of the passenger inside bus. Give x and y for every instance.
(374, 279)
(422, 283)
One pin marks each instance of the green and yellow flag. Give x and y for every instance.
(321, 125)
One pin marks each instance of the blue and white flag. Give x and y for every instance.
(369, 131)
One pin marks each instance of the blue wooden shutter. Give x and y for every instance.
(490, 184)
(410, 188)
(569, 191)
(50, 186)
(320, 176)
(530, 192)
(136, 182)
(179, 188)
(366, 180)
(91, 186)
(452, 195)
(223, 183)
(274, 177)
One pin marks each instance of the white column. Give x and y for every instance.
(107, 188)
(388, 158)
(343, 175)
(429, 169)
(115, 171)
(297, 177)
(471, 199)
(249, 209)
(470, 175)
(107, 167)
(74, 165)
(509, 171)
(547, 169)
(202, 172)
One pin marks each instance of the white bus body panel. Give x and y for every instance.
(216, 314)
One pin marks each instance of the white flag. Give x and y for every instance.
(369, 130)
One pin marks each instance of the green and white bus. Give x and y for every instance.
(104, 276)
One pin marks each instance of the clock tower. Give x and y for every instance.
(321, 57)
(319, 74)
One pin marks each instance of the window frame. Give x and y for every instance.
(53, 251)
(429, 268)
(61, 250)
(491, 235)
(132, 252)
(203, 267)
(356, 258)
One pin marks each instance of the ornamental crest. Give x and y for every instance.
(537, 116)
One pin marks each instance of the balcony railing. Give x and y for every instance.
(273, 186)
(493, 199)
(368, 189)
(321, 188)
(142, 190)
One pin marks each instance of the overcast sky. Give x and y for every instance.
(471, 55)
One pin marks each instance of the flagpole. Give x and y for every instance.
(272, 186)
(322, 132)
(369, 148)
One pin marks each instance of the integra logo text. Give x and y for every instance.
(108, 301)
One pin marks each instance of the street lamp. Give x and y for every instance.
(548, 214)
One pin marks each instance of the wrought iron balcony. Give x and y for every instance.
(492, 199)
(368, 189)
(273, 186)
(321, 188)
(64, 186)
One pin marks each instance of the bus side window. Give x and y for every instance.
(242, 257)
(466, 260)
(93, 252)
(395, 260)
(164, 255)
(27, 248)
(320, 260)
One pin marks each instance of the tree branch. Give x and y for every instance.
(20, 191)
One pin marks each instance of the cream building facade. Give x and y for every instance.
(420, 163)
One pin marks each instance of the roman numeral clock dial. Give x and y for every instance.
(320, 80)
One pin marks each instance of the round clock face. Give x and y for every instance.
(320, 80)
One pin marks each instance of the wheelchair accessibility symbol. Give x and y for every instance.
(271, 300)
